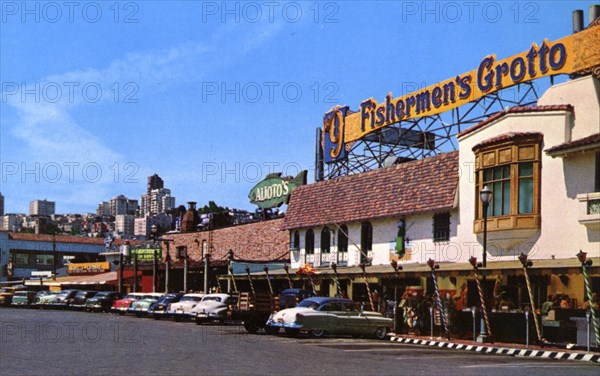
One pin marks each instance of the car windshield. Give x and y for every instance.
(214, 298)
(309, 304)
(21, 292)
(191, 299)
(102, 294)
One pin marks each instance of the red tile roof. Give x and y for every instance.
(516, 110)
(591, 141)
(425, 185)
(510, 136)
(60, 239)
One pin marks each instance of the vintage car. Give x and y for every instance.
(81, 297)
(23, 298)
(158, 309)
(44, 298)
(64, 299)
(6, 295)
(182, 308)
(213, 307)
(102, 301)
(122, 305)
(140, 306)
(319, 316)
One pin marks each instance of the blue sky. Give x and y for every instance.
(212, 96)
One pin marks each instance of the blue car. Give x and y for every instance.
(158, 309)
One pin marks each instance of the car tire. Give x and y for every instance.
(199, 321)
(156, 317)
(177, 318)
(271, 330)
(381, 332)
(121, 313)
(250, 327)
(137, 314)
(292, 332)
(317, 333)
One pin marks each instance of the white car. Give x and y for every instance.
(183, 307)
(213, 307)
(321, 315)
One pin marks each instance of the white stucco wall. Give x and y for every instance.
(583, 94)
(419, 229)
(560, 234)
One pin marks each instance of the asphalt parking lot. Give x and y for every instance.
(49, 342)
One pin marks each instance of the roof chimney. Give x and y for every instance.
(577, 21)
(190, 218)
(594, 13)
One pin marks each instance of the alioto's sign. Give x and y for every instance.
(575, 53)
(274, 190)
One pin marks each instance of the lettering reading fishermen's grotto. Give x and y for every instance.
(568, 55)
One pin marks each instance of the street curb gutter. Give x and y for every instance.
(585, 357)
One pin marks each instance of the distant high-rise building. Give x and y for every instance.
(158, 201)
(11, 222)
(155, 182)
(42, 207)
(118, 205)
(124, 225)
(122, 205)
(1, 204)
(132, 207)
(103, 209)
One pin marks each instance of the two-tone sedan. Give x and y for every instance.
(181, 309)
(319, 316)
(23, 298)
(64, 299)
(213, 307)
(140, 307)
(121, 306)
(44, 298)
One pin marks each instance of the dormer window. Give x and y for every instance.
(509, 165)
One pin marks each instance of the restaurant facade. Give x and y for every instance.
(539, 162)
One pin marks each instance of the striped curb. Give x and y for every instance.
(584, 357)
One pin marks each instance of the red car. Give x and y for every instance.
(120, 306)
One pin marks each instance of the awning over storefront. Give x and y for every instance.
(560, 266)
(109, 278)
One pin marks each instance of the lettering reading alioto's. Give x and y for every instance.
(271, 191)
(489, 77)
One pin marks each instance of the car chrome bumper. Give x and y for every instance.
(290, 325)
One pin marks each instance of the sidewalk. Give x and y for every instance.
(511, 349)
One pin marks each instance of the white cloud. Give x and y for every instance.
(52, 132)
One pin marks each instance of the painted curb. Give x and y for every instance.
(558, 355)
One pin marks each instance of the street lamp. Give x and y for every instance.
(485, 195)
(109, 242)
(206, 262)
(153, 235)
(397, 269)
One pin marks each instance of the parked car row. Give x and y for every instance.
(295, 310)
